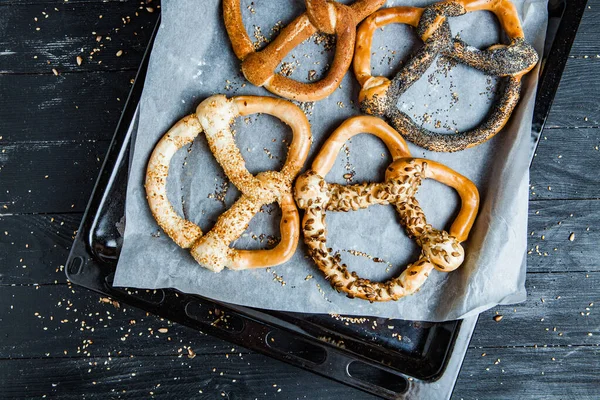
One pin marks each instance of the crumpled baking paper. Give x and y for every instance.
(193, 59)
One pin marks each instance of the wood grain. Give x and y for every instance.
(34, 247)
(523, 373)
(127, 24)
(575, 104)
(64, 321)
(530, 373)
(49, 177)
(551, 224)
(44, 251)
(56, 2)
(566, 165)
(551, 315)
(558, 171)
(56, 320)
(586, 43)
(69, 107)
(208, 377)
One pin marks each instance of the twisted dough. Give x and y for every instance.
(214, 117)
(321, 15)
(379, 96)
(440, 250)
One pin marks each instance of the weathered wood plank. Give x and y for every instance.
(42, 45)
(564, 168)
(530, 373)
(524, 373)
(566, 165)
(65, 321)
(576, 104)
(204, 377)
(67, 107)
(551, 224)
(561, 309)
(49, 245)
(54, 319)
(61, 2)
(586, 43)
(34, 247)
(52, 176)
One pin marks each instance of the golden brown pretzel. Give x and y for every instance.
(321, 15)
(440, 250)
(214, 117)
(379, 96)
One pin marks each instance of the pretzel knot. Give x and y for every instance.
(439, 249)
(321, 15)
(214, 117)
(379, 96)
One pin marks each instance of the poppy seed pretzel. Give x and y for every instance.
(321, 15)
(214, 117)
(440, 250)
(379, 96)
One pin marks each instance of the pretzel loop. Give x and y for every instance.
(379, 95)
(440, 250)
(214, 117)
(321, 15)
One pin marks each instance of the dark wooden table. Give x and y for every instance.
(56, 120)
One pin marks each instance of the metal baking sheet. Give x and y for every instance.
(98, 242)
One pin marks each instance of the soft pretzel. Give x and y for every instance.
(321, 15)
(379, 96)
(440, 249)
(214, 117)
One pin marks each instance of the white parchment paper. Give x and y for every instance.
(192, 59)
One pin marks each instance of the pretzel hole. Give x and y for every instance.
(371, 242)
(309, 61)
(263, 230)
(363, 158)
(439, 202)
(450, 97)
(197, 186)
(392, 45)
(263, 20)
(263, 141)
(479, 29)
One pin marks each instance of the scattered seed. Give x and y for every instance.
(498, 318)
(191, 353)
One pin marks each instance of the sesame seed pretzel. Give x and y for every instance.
(320, 16)
(379, 96)
(440, 250)
(214, 117)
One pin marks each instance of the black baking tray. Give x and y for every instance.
(394, 359)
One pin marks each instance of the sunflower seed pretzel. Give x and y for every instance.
(320, 16)
(379, 96)
(440, 249)
(214, 117)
